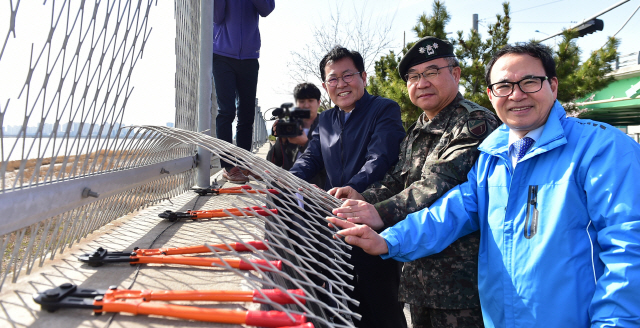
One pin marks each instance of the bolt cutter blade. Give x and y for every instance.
(102, 256)
(217, 189)
(174, 216)
(67, 296)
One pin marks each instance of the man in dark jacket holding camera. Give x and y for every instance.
(287, 150)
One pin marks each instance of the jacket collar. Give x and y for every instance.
(338, 114)
(552, 135)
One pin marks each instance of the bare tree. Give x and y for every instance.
(370, 37)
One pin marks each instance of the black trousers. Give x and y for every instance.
(376, 288)
(236, 81)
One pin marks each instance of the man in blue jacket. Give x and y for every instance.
(357, 141)
(555, 200)
(236, 48)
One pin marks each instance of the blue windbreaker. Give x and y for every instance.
(235, 27)
(560, 234)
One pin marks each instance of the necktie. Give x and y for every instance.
(521, 146)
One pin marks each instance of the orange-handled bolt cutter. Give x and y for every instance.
(102, 256)
(238, 247)
(217, 213)
(138, 302)
(216, 190)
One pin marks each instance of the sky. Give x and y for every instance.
(290, 28)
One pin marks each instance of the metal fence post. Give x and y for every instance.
(256, 126)
(204, 89)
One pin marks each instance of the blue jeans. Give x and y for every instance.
(236, 82)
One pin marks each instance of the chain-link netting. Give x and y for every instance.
(67, 85)
(297, 234)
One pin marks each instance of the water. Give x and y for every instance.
(45, 147)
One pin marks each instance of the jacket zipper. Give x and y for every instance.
(532, 212)
(342, 182)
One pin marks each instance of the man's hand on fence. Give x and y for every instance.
(345, 193)
(361, 236)
(359, 211)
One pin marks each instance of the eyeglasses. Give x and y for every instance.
(530, 84)
(430, 74)
(332, 82)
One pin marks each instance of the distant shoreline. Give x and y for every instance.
(59, 135)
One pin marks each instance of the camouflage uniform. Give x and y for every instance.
(436, 156)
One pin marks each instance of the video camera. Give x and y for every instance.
(290, 121)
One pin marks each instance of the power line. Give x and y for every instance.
(623, 25)
(590, 18)
(544, 4)
(572, 22)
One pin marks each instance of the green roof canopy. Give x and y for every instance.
(617, 113)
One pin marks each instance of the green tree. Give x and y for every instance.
(474, 54)
(386, 81)
(575, 79)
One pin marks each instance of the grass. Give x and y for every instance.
(30, 165)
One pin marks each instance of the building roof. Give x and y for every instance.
(619, 102)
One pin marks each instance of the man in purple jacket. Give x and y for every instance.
(236, 48)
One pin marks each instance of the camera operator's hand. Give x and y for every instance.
(273, 128)
(300, 140)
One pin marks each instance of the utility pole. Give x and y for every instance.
(475, 22)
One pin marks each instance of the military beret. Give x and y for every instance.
(426, 49)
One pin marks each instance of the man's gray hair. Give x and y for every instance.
(452, 62)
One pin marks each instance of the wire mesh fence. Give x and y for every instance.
(67, 68)
(61, 120)
(297, 235)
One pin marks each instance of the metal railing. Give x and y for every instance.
(260, 133)
(631, 59)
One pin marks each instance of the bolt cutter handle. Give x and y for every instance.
(216, 190)
(255, 296)
(205, 261)
(304, 325)
(221, 214)
(238, 247)
(217, 213)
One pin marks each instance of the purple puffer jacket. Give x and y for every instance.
(235, 27)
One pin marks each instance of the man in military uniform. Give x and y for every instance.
(435, 156)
